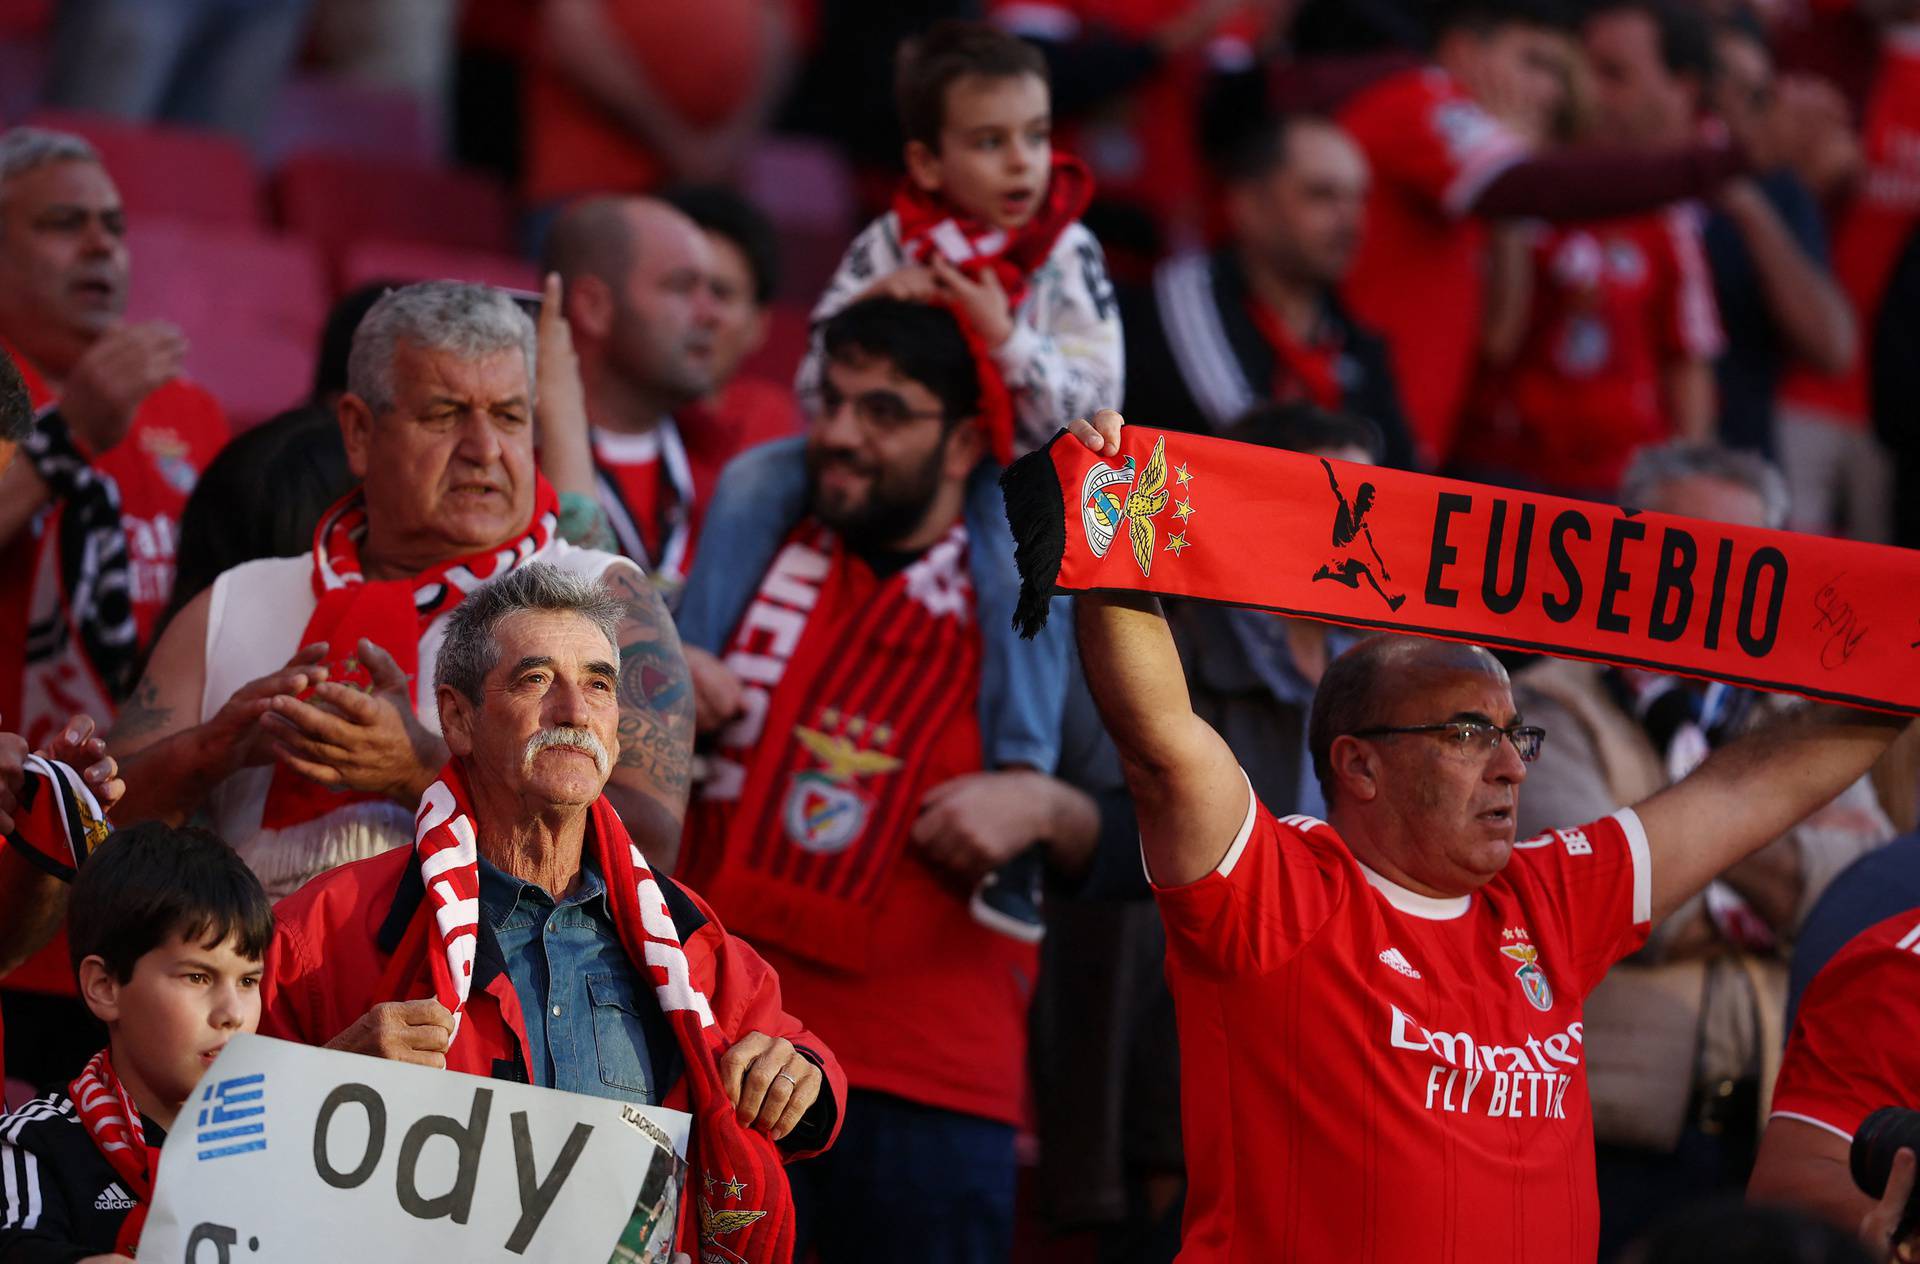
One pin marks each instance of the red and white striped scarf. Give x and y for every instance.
(113, 1121)
(446, 850)
(855, 684)
(393, 614)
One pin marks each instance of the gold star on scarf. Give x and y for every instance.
(1182, 475)
(830, 718)
(882, 735)
(857, 725)
(1183, 510)
(1177, 542)
(736, 1188)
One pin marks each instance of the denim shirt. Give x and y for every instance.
(592, 1024)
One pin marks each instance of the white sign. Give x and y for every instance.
(304, 1156)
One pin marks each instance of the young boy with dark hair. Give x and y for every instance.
(987, 222)
(167, 927)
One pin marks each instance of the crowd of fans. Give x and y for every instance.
(556, 570)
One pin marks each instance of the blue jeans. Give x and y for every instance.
(907, 1182)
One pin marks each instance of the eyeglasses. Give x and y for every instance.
(1474, 736)
(880, 412)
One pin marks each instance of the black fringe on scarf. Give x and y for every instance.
(1038, 518)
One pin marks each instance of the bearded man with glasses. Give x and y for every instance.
(1381, 1014)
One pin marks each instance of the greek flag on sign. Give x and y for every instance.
(233, 1117)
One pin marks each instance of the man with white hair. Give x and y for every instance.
(90, 513)
(291, 698)
(525, 938)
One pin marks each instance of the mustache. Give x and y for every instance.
(568, 736)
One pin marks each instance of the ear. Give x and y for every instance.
(99, 989)
(590, 308)
(456, 720)
(1356, 768)
(923, 166)
(966, 444)
(356, 432)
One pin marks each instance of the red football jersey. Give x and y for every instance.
(1872, 229)
(1417, 280)
(1612, 305)
(175, 433)
(1369, 1074)
(1853, 1050)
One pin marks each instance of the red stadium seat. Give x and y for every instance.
(251, 303)
(369, 261)
(340, 199)
(779, 357)
(169, 172)
(314, 112)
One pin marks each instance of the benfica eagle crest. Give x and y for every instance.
(1533, 980)
(1110, 496)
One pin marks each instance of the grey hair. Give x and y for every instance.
(470, 650)
(24, 149)
(468, 320)
(1656, 466)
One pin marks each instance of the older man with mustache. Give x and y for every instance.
(524, 936)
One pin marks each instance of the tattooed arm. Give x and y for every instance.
(169, 759)
(651, 778)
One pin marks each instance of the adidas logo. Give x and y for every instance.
(1398, 961)
(113, 1198)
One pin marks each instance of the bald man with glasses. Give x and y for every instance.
(1380, 1014)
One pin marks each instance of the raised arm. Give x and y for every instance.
(1187, 787)
(655, 769)
(1755, 789)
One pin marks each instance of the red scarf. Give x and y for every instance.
(449, 863)
(1301, 369)
(56, 820)
(810, 799)
(928, 222)
(392, 613)
(1193, 516)
(113, 1121)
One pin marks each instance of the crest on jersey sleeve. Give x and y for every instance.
(1533, 980)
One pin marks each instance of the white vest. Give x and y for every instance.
(255, 619)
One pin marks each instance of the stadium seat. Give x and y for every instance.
(250, 302)
(167, 171)
(368, 261)
(23, 65)
(314, 112)
(779, 357)
(339, 199)
(807, 190)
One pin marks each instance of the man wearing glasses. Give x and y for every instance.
(851, 805)
(1380, 1014)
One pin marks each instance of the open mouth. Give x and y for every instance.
(1499, 816)
(208, 1055)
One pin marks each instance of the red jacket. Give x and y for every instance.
(336, 936)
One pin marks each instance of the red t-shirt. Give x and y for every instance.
(175, 433)
(1872, 229)
(1417, 280)
(1372, 1075)
(1612, 305)
(704, 61)
(1853, 1049)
